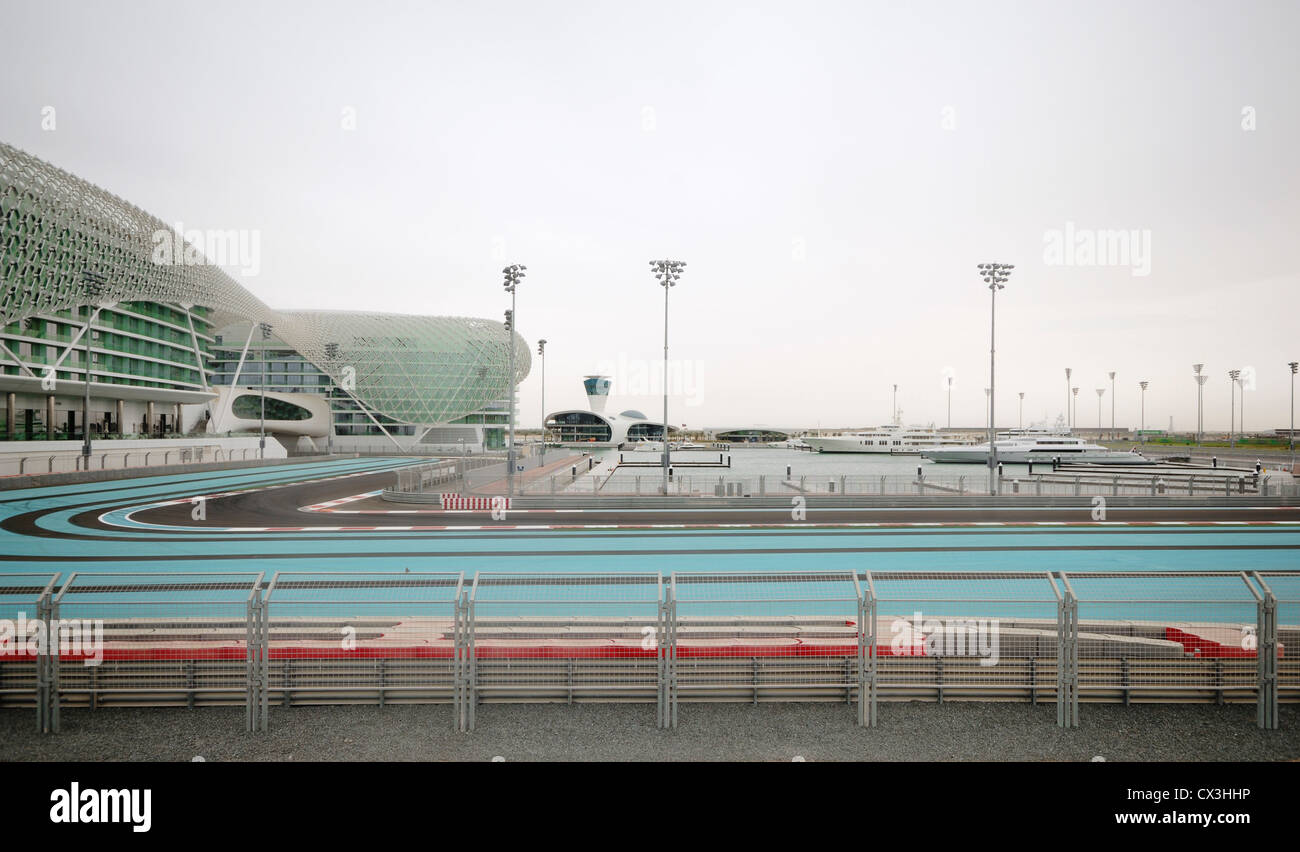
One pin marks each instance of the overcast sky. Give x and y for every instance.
(831, 172)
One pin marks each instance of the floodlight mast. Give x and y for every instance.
(995, 275)
(513, 275)
(667, 272)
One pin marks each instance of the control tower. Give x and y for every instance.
(597, 392)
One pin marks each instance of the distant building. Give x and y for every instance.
(594, 428)
(753, 435)
(172, 346)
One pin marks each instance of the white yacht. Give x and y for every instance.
(891, 440)
(1023, 447)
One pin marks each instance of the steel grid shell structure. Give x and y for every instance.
(55, 228)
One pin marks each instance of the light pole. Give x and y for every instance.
(1112, 405)
(1241, 410)
(1200, 383)
(1232, 417)
(514, 273)
(261, 428)
(995, 276)
(667, 272)
(1068, 371)
(1100, 393)
(1294, 365)
(893, 414)
(950, 402)
(1021, 419)
(1142, 428)
(94, 286)
(541, 351)
(1074, 414)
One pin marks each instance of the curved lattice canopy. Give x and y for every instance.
(55, 227)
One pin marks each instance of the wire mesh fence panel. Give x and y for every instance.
(353, 638)
(763, 637)
(1166, 636)
(156, 639)
(565, 637)
(24, 642)
(988, 634)
(1284, 586)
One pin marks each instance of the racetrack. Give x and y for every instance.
(255, 520)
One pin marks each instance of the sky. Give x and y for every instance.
(831, 173)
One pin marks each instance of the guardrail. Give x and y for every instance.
(71, 461)
(1063, 483)
(860, 638)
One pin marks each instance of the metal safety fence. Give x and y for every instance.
(861, 638)
(1043, 481)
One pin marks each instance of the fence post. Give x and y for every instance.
(1266, 656)
(251, 704)
(1067, 657)
(868, 659)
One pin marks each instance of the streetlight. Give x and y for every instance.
(1112, 405)
(1200, 383)
(1294, 365)
(667, 271)
(261, 439)
(893, 415)
(1143, 427)
(1232, 418)
(513, 273)
(950, 402)
(995, 276)
(541, 351)
(1074, 414)
(1100, 393)
(1067, 399)
(1241, 410)
(95, 285)
(1021, 422)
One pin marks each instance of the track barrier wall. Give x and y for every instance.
(857, 638)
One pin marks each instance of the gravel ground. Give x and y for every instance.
(613, 732)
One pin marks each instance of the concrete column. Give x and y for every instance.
(148, 419)
(121, 413)
(11, 412)
(49, 416)
(177, 409)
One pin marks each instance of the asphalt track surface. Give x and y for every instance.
(254, 520)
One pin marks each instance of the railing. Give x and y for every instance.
(437, 476)
(860, 638)
(626, 483)
(71, 461)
